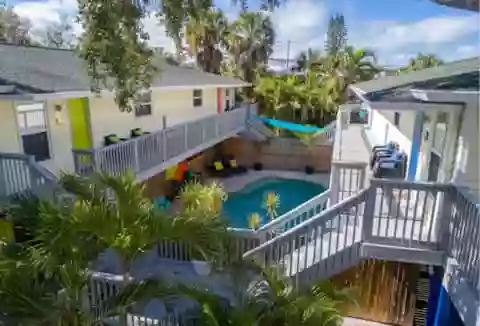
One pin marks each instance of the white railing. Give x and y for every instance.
(148, 151)
(420, 217)
(104, 286)
(331, 129)
(20, 174)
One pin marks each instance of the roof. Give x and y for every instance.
(46, 70)
(444, 71)
(457, 76)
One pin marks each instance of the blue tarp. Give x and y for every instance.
(290, 125)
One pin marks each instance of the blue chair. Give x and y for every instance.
(393, 166)
(383, 151)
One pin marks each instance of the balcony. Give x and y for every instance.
(150, 154)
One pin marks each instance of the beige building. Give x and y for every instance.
(47, 108)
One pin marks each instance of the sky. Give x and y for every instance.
(395, 29)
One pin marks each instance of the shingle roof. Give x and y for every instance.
(46, 70)
(417, 77)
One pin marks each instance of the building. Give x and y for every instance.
(48, 109)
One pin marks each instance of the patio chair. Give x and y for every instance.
(217, 169)
(231, 163)
(383, 152)
(393, 166)
(112, 139)
(137, 132)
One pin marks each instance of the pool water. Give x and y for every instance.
(250, 199)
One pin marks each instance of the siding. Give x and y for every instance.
(467, 161)
(105, 118)
(177, 106)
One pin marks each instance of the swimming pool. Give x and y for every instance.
(250, 199)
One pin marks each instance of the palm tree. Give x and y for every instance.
(54, 267)
(423, 61)
(306, 58)
(250, 44)
(205, 34)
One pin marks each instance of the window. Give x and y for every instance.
(197, 97)
(33, 130)
(143, 105)
(396, 119)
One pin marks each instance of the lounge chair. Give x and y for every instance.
(137, 132)
(231, 163)
(218, 169)
(112, 139)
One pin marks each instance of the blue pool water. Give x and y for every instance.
(250, 199)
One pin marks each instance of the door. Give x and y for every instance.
(79, 123)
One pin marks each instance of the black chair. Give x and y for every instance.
(230, 163)
(112, 139)
(137, 132)
(218, 169)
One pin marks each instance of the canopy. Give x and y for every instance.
(291, 126)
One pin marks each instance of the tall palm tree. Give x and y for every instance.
(54, 267)
(422, 61)
(205, 34)
(250, 43)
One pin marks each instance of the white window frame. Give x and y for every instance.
(141, 102)
(42, 127)
(197, 97)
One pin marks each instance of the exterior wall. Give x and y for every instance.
(467, 161)
(407, 120)
(382, 130)
(176, 106)
(279, 154)
(105, 118)
(9, 138)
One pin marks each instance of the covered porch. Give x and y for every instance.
(150, 154)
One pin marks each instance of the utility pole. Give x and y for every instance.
(288, 52)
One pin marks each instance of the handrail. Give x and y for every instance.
(298, 228)
(290, 214)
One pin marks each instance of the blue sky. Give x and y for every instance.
(395, 29)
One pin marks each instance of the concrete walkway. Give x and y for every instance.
(347, 321)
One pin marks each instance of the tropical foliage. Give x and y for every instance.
(43, 280)
(272, 300)
(45, 275)
(311, 98)
(422, 61)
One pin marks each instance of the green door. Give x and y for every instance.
(79, 123)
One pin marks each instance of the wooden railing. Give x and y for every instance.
(146, 152)
(420, 217)
(20, 174)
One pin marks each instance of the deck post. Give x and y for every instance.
(416, 143)
(369, 212)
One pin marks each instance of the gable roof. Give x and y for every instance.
(39, 70)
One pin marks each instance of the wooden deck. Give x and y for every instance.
(350, 145)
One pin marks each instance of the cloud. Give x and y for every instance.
(300, 24)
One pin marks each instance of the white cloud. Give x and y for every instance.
(304, 23)
(41, 14)
(300, 22)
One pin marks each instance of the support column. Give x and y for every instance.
(415, 150)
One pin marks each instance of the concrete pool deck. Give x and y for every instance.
(238, 182)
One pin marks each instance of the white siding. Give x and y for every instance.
(467, 161)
